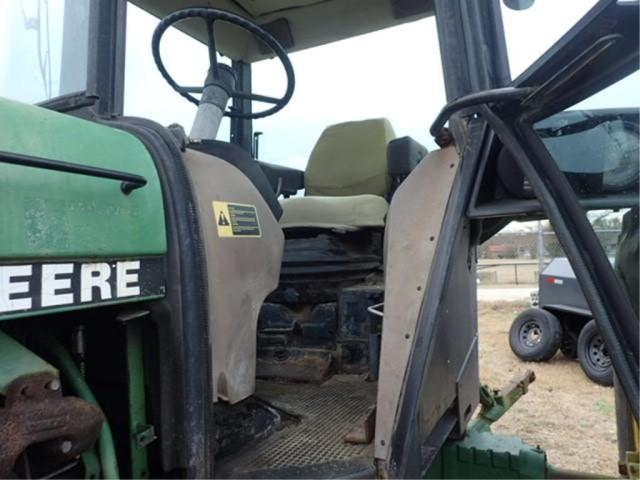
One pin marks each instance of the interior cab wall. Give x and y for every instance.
(243, 246)
(448, 385)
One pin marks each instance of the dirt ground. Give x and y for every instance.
(565, 413)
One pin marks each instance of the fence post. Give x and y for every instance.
(540, 248)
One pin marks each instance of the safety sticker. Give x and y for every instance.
(236, 220)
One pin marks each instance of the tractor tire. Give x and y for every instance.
(535, 335)
(593, 356)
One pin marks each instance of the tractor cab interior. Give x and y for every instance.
(294, 259)
(303, 267)
(172, 304)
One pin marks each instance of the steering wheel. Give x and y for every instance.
(210, 16)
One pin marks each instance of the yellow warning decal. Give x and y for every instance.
(236, 220)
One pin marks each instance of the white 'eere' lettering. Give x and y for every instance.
(52, 282)
(125, 278)
(92, 276)
(66, 284)
(10, 286)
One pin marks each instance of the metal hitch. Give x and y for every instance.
(36, 412)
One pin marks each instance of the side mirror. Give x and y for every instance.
(518, 4)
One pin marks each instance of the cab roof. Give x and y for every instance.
(296, 24)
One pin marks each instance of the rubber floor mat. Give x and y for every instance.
(322, 415)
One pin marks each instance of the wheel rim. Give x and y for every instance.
(597, 353)
(530, 333)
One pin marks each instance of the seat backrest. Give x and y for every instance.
(350, 159)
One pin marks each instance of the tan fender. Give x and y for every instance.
(241, 272)
(412, 231)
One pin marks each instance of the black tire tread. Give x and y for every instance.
(549, 344)
(601, 377)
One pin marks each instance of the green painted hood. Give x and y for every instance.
(47, 214)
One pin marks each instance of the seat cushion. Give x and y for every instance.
(355, 211)
(350, 159)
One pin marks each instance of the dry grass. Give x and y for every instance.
(565, 413)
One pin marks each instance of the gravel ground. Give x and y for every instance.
(565, 413)
(511, 294)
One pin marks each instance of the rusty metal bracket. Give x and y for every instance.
(35, 412)
(495, 404)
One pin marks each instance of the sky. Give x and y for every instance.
(373, 75)
(394, 73)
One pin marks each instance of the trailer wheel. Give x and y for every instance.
(535, 335)
(593, 356)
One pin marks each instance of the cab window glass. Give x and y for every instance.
(595, 143)
(369, 76)
(147, 94)
(530, 33)
(43, 48)
(517, 254)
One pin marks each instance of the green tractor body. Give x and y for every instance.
(85, 229)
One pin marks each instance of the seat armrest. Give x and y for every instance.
(403, 155)
(284, 180)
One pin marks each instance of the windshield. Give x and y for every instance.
(364, 77)
(43, 48)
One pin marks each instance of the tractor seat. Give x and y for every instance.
(342, 213)
(346, 180)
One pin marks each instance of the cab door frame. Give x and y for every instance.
(487, 109)
(601, 49)
(474, 59)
